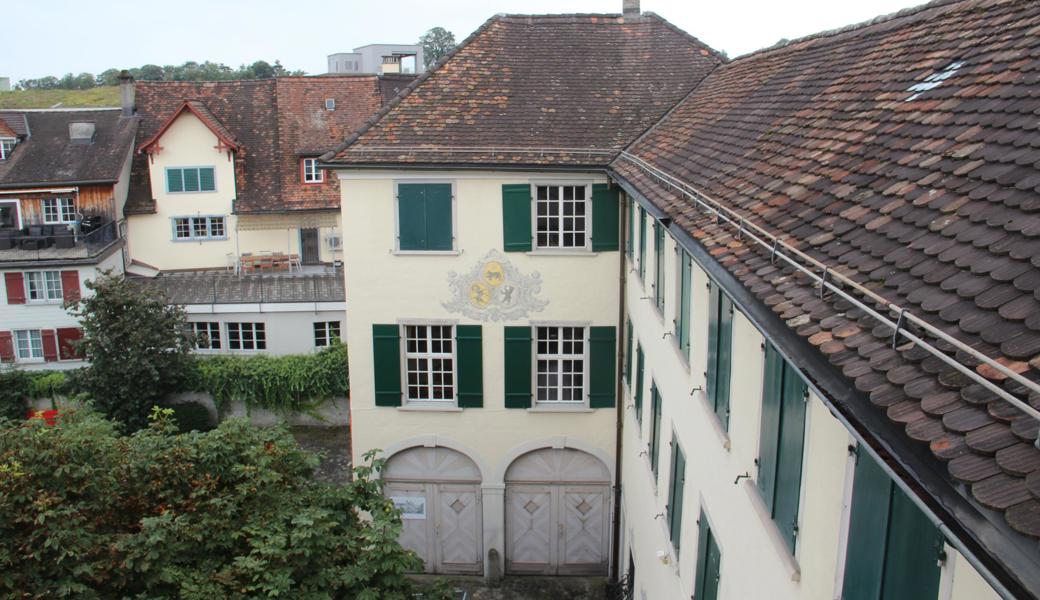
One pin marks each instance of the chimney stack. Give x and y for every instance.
(126, 93)
(630, 8)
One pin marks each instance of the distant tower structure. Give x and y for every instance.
(379, 59)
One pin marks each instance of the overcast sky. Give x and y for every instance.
(59, 36)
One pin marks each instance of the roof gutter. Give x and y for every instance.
(873, 432)
(461, 167)
(18, 187)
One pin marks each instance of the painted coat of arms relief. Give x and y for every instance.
(494, 290)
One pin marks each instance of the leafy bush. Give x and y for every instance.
(14, 394)
(292, 383)
(233, 513)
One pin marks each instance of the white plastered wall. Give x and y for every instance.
(384, 287)
(288, 330)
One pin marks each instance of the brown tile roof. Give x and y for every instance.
(905, 154)
(48, 157)
(549, 81)
(274, 121)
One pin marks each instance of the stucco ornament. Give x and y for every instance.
(494, 290)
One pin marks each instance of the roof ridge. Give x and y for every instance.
(386, 108)
(864, 25)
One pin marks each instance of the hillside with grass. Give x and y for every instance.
(98, 96)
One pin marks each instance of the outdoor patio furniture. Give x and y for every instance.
(65, 240)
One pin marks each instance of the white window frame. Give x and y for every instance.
(49, 284)
(584, 327)
(587, 229)
(58, 211)
(429, 356)
(192, 223)
(253, 328)
(17, 211)
(311, 172)
(30, 339)
(325, 328)
(207, 328)
(7, 145)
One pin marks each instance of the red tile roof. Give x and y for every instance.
(575, 82)
(905, 154)
(271, 122)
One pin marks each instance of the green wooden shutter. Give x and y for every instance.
(518, 367)
(174, 180)
(893, 548)
(630, 217)
(516, 217)
(769, 437)
(605, 223)
(628, 352)
(206, 180)
(655, 428)
(639, 383)
(683, 322)
(675, 494)
(191, 180)
(659, 281)
(469, 350)
(411, 216)
(712, 373)
(789, 455)
(602, 367)
(724, 355)
(438, 216)
(386, 354)
(642, 243)
(709, 561)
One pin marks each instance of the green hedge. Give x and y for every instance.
(292, 383)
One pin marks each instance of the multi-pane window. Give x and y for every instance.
(190, 179)
(59, 210)
(429, 362)
(43, 286)
(28, 344)
(207, 335)
(560, 212)
(199, 228)
(561, 364)
(246, 336)
(659, 266)
(6, 147)
(311, 172)
(325, 332)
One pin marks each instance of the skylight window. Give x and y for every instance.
(934, 80)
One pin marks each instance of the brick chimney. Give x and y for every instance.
(630, 8)
(126, 93)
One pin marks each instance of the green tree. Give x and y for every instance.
(148, 73)
(233, 513)
(261, 69)
(139, 348)
(108, 77)
(436, 44)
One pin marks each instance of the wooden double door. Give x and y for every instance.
(557, 529)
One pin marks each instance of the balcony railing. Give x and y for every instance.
(46, 242)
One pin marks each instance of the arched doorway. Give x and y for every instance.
(438, 490)
(557, 513)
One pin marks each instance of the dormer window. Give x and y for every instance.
(311, 172)
(6, 147)
(330, 104)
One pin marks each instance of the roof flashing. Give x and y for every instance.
(934, 80)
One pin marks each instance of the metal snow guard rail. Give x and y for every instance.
(493, 150)
(827, 274)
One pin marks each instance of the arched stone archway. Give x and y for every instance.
(557, 513)
(438, 491)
